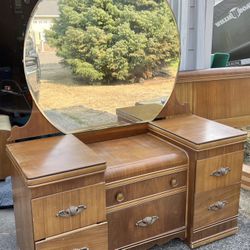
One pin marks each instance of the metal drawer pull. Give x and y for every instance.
(71, 211)
(174, 182)
(120, 197)
(147, 221)
(217, 205)
(221, 172)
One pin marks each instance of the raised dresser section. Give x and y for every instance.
(216, 159)
(59, 195)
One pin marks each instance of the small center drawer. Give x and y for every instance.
(216, 205)
(146, 220)
(145, 188)
(66, 211)
(219, 171)
(91, 238)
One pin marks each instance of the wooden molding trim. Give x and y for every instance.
(143, 200)
(246, 179)
(215, 237)
(213, 74)
(246, 170)
(74, 231)
(216, 224)
(148, 176)
(71, 178)
(245, 183)
(246, 187)
(111, 133)
(172, 233)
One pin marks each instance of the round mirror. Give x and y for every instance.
(92, 64)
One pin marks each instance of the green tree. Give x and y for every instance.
(110, 40)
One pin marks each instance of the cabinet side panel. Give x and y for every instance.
(23, 213)
(4, 161)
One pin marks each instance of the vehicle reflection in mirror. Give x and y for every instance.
(32, 66)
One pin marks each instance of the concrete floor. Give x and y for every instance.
(7, 230)
(240, 241)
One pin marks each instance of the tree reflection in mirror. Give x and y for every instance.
(95, 64)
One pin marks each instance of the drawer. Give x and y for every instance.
(58, 213)
(216, 205)
(145, 188)
(219, 171)
(160, 216)
(91, 238)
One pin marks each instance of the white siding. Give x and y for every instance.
(195, 21)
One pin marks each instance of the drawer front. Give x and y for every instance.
(147, 220)
(92, 238)
(66, 211)
(213, 206)
(145, 188)
(218, 172)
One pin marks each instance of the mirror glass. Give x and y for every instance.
(92, 64)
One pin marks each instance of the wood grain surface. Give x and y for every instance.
(137, 155)
(47, 223)
(211, 230)
(94, 237)
(23, 212)
(5, 128)
(45, 158)
(37, 125)
(145, 188)
(5, 166)
(205, 168)
(203, 216)
(198, 130)
(125, 220)
(216, 94)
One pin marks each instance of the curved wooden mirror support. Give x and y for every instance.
(92, 65)
(36, 126)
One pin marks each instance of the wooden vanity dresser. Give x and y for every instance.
(162, 180)
(122, 165)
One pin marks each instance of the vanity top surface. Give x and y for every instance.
(52, 156)
(139, 154)
(198, 130)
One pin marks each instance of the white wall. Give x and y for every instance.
(195, 22)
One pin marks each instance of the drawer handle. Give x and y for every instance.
(221, 172)
(174, 182)
(71, 211)
(147, 221)
(120, 197)
(217, 205)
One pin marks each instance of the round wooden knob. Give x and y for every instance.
(120, 197)
(174, 182)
